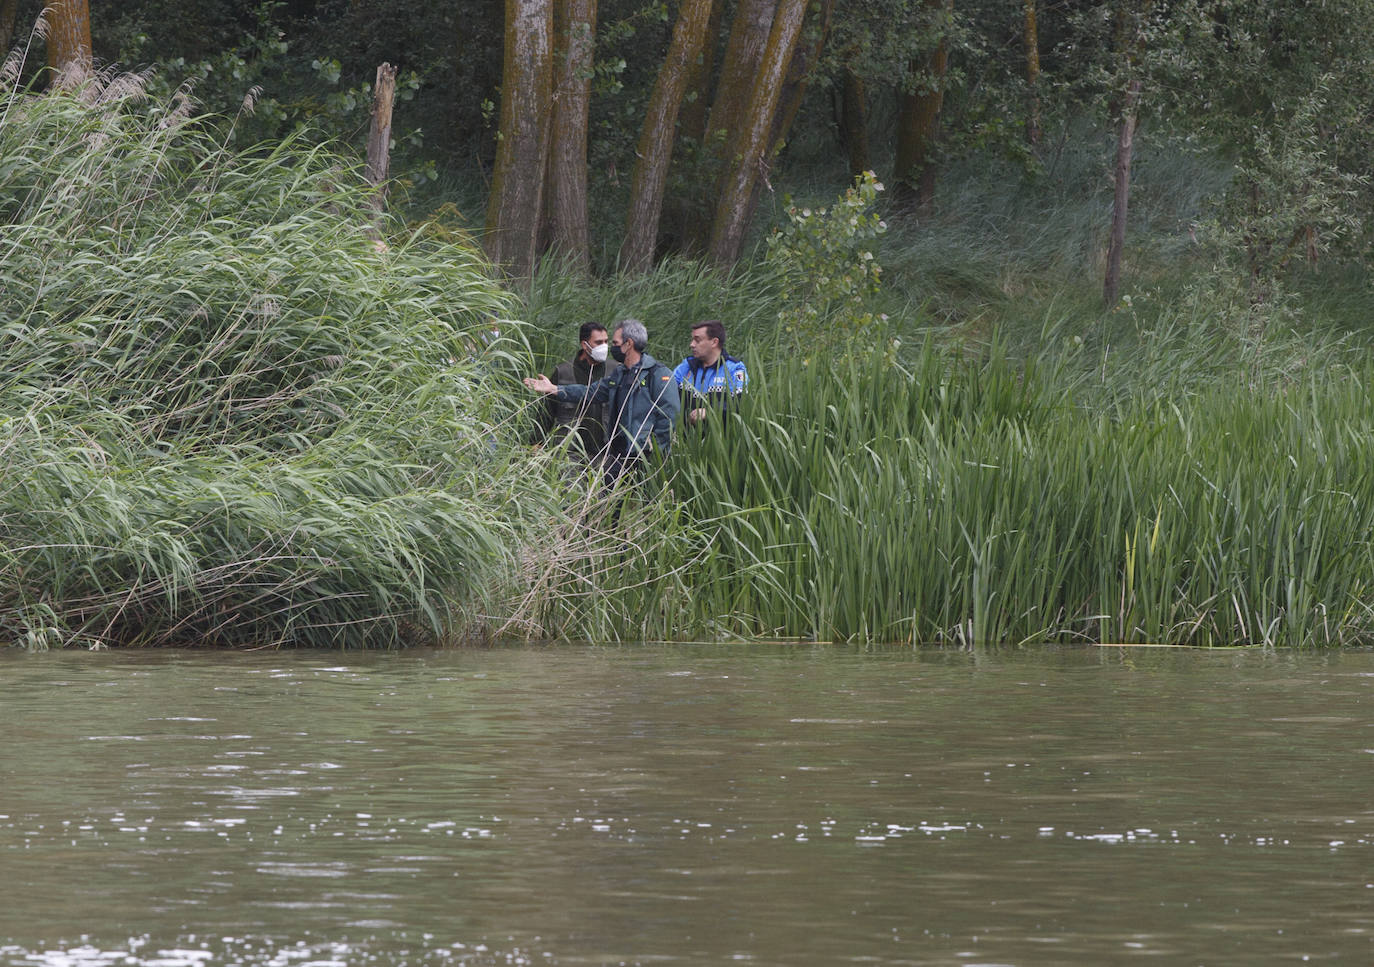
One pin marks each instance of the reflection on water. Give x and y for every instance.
(687, 805)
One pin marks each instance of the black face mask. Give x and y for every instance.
(618, 353)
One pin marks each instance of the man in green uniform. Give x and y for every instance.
(585, 420)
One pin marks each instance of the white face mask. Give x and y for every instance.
(598, 353)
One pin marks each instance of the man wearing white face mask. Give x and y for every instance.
(585, 419)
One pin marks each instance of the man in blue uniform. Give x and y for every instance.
(641, 399)
(709, 378)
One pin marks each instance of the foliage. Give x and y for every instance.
(988, 501)
(829, 275)
(269, 82)
(228, 417)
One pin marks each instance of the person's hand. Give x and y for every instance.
(696, 415)
(540, 384)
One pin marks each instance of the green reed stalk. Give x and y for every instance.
(986, 501)
(227, 418)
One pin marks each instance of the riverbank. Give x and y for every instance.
(229, 418)
(1001, 460)
(233, 420)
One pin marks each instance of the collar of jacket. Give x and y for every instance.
(646, 362)
(590, 372)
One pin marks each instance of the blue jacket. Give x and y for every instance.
(711, 385)
(640, 400)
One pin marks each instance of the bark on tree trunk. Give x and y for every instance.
(517, 182)
(854, 123)
(69, 41)
(379, 141)
(684, 208)
(656, 141)
(575, 26)
(9, 12)
(815, 32)
(1032, 36)
(727, 232)
(1120, 202)
(749, 34)
(918, 124)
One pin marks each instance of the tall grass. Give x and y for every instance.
(1189, 467)
(992, 501)
(227, 418)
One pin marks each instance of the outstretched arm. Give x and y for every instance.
(540, 384)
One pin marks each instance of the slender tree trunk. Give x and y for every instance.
(656, 141)
(1130, 20)
(749, 33)
(697, 101)
(69, 41)
(379, 141)
(517, 182)
(684, 208)
(1032, 35)
(575, 26)
(1125, 134)
(918, 124)
(854, 123)
(810, 46)
(9, 12)
(732, 211)
(816, 31)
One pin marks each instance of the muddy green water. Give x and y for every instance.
(687, 805)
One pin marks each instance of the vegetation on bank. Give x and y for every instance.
(1000, 461)
(232, 419)
(228, 417)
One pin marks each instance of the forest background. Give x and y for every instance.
(1087, 362)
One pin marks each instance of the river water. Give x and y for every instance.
(788, 805)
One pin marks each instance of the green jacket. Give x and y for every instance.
(641, 401)
(584, 418)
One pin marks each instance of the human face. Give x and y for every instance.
(704, 349)
(618, 347)
(593, 342)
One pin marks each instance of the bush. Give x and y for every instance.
(229, 417)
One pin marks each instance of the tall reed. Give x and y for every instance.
(990, 501)
(228, 418)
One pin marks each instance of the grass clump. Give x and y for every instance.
(228, 417)
(1004, 461)
(974, 501)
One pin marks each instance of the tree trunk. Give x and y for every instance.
(1032, 74)
(684, 208)
(69, 41)
(697, 100)
(656, 141)
(918, 123)
(575, 26)
(1130, 20)
(9, 13)
(799, 70)
(854, 123)
(731, 221)
(730, 107)
(517, 181)
(1124, 136)
(815, 32)
(379, 141)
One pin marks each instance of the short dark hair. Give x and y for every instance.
(715, 329)
(587, 328)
